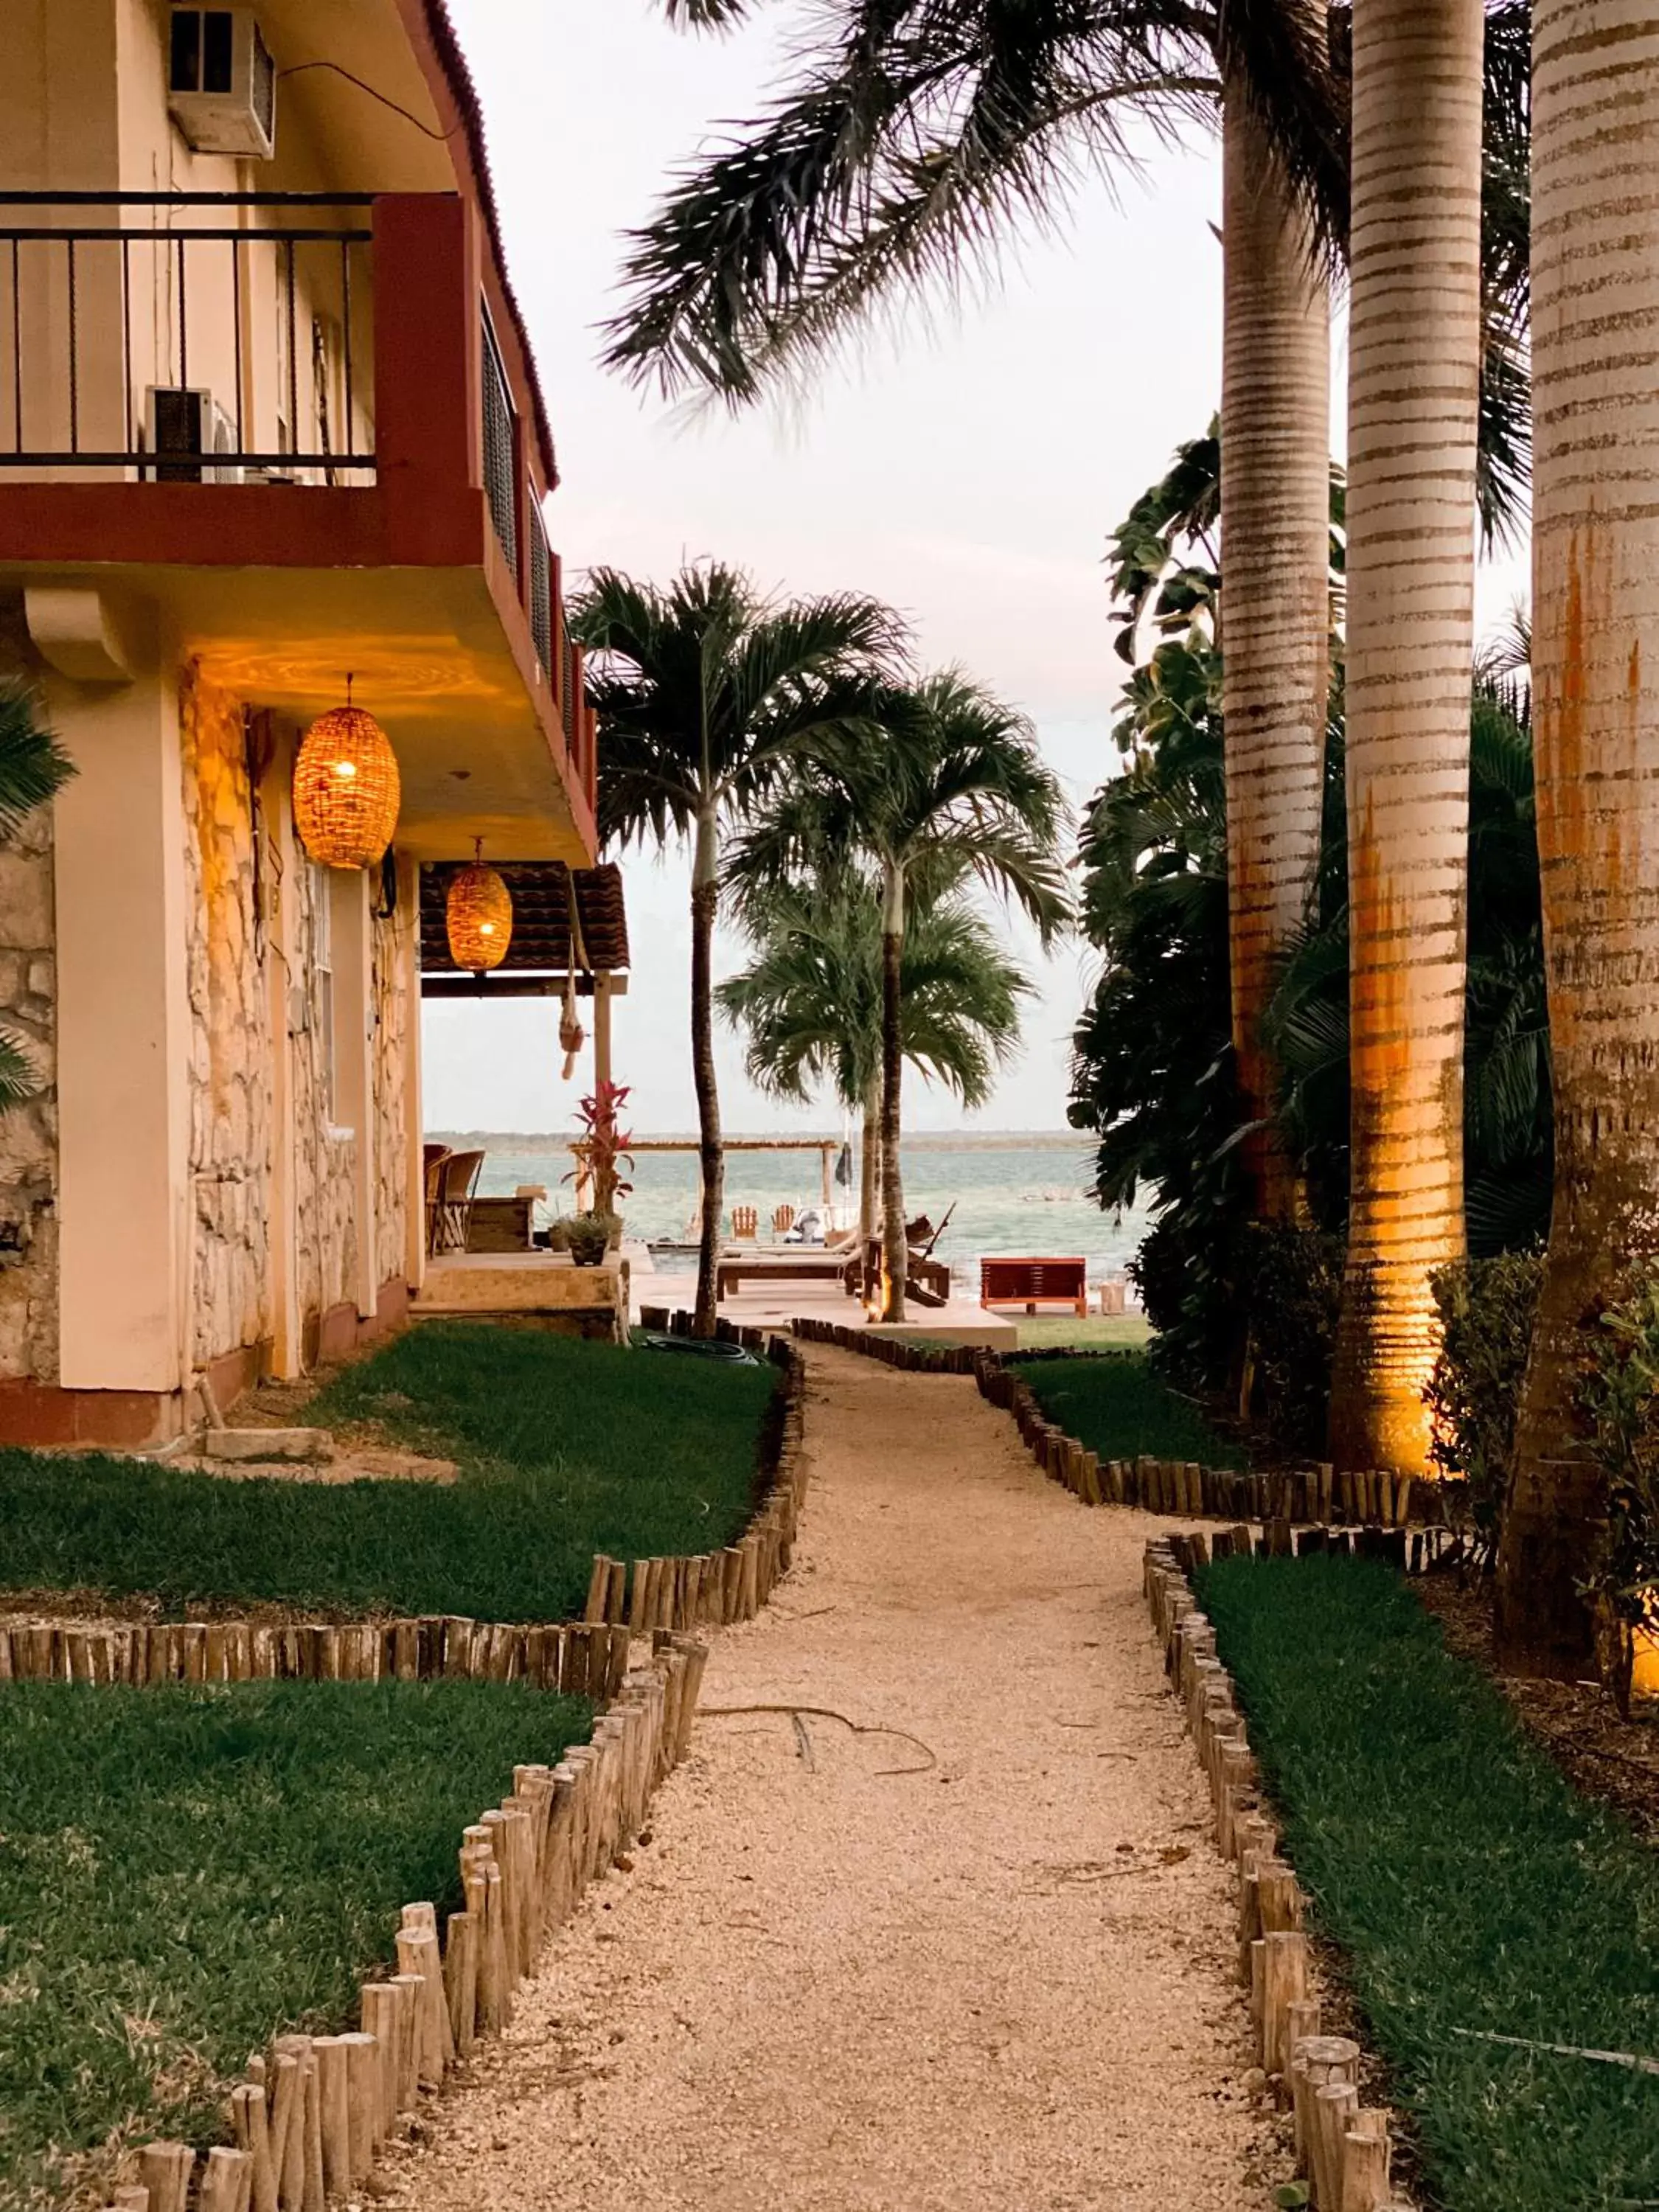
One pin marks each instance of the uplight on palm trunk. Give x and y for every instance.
(1413, 397)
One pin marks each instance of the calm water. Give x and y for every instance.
(1013, 1193)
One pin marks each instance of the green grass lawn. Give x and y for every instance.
(184, 1872)
(1467, 1883)
(1097, 1331)
(1116, 1407)
(564, 1449)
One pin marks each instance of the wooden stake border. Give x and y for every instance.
(582, 1658)
(315, 2113)
(1378, 1513)
(1342, 2149)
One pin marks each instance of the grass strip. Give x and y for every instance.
(1470, 1887)
(564, 1449)
(1116, 1407)
(185, 1871)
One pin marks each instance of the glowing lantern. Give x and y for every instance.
(478, 915)
(346, 788)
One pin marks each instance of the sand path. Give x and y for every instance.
(996, 1983)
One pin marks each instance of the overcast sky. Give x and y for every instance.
(966, 466)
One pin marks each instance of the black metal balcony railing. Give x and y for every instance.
(501, 469)
(541, 592)
(568, 690)
(189, 350)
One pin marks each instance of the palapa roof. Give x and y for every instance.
(541, 916)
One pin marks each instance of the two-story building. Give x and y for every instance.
(269, 421)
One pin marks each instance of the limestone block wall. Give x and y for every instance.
(231, 1044)
(325, 1240)
(29, 1134)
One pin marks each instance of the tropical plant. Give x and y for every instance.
(1619, 1397)
(704, 690)
(1487, 1308)
(811, 1000)
(33, 768)
(602, 1149)
(1596, 615)
(954, 786)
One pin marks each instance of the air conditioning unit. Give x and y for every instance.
(221, 82)
(186, 427)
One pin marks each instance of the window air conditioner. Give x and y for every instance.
(186, 428)
(221, 82)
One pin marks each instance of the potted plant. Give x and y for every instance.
(601, 1153)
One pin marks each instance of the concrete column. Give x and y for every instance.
(354, 1046)
(409, 906)
(123, 1041)
(283, 970)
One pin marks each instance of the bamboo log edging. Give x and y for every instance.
(1380, 1513)
(315, 2112)
(1342, 2149)
(587, 1658)
(712, 1589)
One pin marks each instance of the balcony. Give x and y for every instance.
(299, 431)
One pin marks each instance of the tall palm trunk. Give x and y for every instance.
(705, 892)
(1415, 347)
(1595, 674)
(1275, 538)
(868, 1181)
(895, 1253)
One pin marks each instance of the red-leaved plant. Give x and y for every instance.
(601, 1150)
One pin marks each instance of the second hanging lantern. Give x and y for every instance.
(478, 915)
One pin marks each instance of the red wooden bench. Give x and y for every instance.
(1031, 1280)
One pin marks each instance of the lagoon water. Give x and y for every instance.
(1013, 1193)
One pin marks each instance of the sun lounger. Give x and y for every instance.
(780, 1266)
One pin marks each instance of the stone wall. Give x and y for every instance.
(326, 1239)
(230, 1087)
(28, 1132)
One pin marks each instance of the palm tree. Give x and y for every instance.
(1595, 645)
(32, 767)
(1413, 405)
(954, 786)
(812, 1000)
(704, 691)
(1275, 668)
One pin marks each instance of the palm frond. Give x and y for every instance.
(34, 766)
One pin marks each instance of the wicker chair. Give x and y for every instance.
(457, 1182)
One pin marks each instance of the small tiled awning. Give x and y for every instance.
(541, 918)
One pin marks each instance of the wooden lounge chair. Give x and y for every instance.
(1030, 1279)
(805, 1263)
(744, 1223)
(783, 1220)
(926, 1280)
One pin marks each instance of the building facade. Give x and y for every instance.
(269, 423)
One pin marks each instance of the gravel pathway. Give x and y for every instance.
(981, 1966)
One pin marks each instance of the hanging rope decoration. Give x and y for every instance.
(346, 788)
(478, 915)
(572, 1036)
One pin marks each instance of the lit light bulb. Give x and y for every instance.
(346, 767)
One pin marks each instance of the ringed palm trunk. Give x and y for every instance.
(705, 891)
(1414, 344)
(1596, 676)
(1275, 538)
(867, 1179)
(894, 1250)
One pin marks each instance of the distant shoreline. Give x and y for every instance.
(1022, 1140)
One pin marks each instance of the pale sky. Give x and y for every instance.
(967, 466)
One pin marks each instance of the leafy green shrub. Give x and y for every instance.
(1291, 1289)
(1620, 1394)
(1486, 1309)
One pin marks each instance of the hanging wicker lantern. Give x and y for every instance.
(346, 788)
(478, 915)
